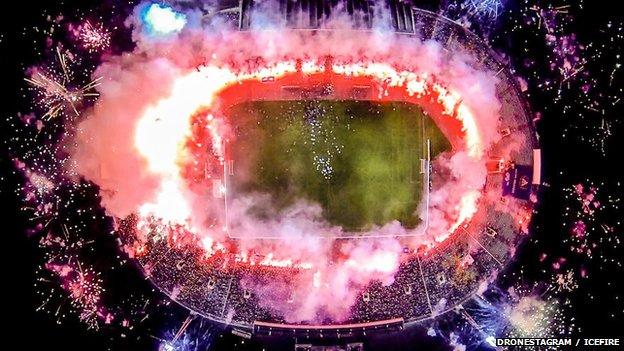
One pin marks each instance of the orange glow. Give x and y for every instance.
(164, 128)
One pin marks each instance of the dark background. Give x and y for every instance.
(566, 161)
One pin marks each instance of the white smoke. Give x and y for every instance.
(133, 82)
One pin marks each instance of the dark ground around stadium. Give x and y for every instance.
(565, 162)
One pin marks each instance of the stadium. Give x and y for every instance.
(323, 175)
(362, 142)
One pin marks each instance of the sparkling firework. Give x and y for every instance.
(595, 231)
(56, 89)
(536, 318)
(129, 197)
(94, 38)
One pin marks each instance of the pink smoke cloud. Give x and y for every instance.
(105, 152)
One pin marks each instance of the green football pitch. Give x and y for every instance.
(360, 160)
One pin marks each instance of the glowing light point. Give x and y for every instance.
(161, 19)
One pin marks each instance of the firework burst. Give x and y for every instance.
(595, 230)
(94, 37)
(534, 317)
(58, 92)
